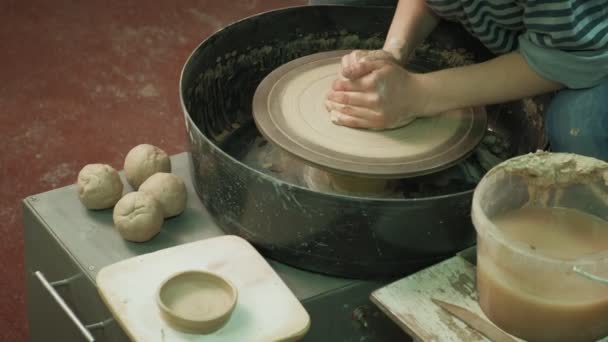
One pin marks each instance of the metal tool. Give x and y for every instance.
(474, 321)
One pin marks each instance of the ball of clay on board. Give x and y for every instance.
(99, 186)
(143, 161)
(138, 216)
(169, 190)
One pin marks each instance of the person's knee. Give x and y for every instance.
(577, 121)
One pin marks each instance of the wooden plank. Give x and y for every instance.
(408, 302)
(266, 309)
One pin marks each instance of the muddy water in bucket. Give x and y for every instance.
(542, 231)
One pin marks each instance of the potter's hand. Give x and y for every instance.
(387, 96)
(351, 63)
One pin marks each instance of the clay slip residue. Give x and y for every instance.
(544, 169)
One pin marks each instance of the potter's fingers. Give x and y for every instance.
(351, 121)
(346, 61)
(368, 99)
(348, 121)
(375, 55)
(362, 68)
(331, 106)
(362, 84)
(358, 55)
(350, 59)
(359, 112)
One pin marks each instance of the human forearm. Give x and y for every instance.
(502, 79)
(412, 23)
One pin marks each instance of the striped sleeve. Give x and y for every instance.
(567, 41)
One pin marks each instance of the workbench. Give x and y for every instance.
(66, 245)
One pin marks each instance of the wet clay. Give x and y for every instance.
(547, 173)
(545, 169)
(301, 107)
(534, 307)
(197, 302)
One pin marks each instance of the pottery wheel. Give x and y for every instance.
(288, 109)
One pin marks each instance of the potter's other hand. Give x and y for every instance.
(351, 67)
(388, 96)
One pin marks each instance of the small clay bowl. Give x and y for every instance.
(196, 302)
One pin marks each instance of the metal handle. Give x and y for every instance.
(589, 276)
(64, 306)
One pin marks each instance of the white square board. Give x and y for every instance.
(266, 310)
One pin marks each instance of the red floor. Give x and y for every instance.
(83, 82)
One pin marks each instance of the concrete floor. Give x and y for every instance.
(83, 82)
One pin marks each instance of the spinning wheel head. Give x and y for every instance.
(288, 108)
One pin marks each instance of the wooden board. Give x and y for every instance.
(266, 309)
(408, 302)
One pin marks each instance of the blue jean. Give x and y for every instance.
(577, 121)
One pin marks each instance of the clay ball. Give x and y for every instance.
(143, 161)
(169, 190)
(99, 186)
(138, 216)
